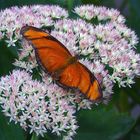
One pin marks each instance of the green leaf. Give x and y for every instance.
(10, 131)
(135, 137)
(102, 124)
(135, 4)
(134, 17)
(91, 1)
(7, 57)
(34, 137)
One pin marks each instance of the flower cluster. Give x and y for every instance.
(102, 13)
(107, 48)
(35, 105)
(12, 19)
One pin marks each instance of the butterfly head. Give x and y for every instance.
(24, 29)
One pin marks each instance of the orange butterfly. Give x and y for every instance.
(64, 68)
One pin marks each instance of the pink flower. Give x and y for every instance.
(33, 105)
(14, 18)
(102, 13)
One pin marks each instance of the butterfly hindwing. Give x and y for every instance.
(78, 76)
(89, 84)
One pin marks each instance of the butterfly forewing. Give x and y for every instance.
(30, 33)
(50, 59)
(40, 39)
(50, 53)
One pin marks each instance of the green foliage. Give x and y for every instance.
(10, 131)
(7, 57)
(135, 137)
(104, 122)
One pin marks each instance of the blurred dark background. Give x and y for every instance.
(120, 119)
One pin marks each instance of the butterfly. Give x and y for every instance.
(64, 68)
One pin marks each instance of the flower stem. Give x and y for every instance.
(70, 5)
(34, 137)
(29, 136)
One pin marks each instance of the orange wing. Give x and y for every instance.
(78, 76)
(51, 54)
(54, 57)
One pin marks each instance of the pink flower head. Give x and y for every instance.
(33, 105)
